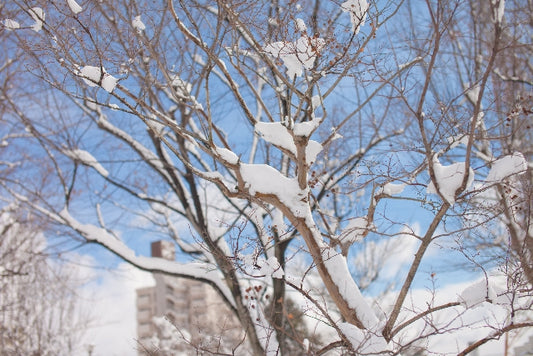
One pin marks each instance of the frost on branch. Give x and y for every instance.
(357, 10)
(182, 89)
(297, 55)
(197, 270)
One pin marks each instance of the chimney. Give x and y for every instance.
(163, 249)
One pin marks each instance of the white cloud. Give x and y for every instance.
(111, 301)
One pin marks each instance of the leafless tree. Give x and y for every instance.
(39, 306)
(281, 144)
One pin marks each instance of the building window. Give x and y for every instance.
(143, 299)
(170, 304)
(145, 329)
(144, 314)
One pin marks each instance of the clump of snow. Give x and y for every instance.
(355, 230)
(264, 179)
(449, 179)
(38, 15)
(96, 76)
(316, 101)
(87, 159)
(296, 55)
(227, 155)
(357, 10)
(278, 222)
(499, 10)
(11, 24)
(74, 6)
(477, 293)
(278, 135)
(473, 93)
(109, 83)
(300, 25)
(305, 129)
(138, 24)
(392, 188)
(312, 151)
(306, 344)
(507, 166)
(270, 267)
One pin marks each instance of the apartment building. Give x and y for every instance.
(199, 317)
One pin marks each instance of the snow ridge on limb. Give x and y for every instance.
(87, 159)
(148, 156)
(266, 180)
(200, 271)
(337, 267)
